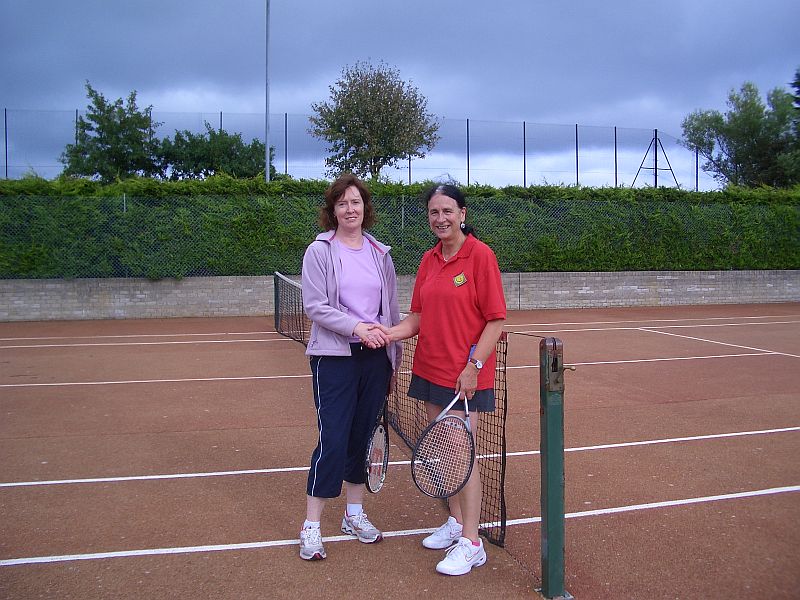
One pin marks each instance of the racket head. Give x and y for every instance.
(443, 457)
(376, 461)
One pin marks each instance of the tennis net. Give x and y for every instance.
(290, 319)
(407, 415)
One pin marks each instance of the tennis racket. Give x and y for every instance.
(444, 454)
(377, 458)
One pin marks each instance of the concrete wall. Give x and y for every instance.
(55, 299)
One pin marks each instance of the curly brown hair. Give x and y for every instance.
(336, 190)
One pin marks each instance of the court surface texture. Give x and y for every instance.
(168, 459)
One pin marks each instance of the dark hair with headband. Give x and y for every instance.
(453, 192)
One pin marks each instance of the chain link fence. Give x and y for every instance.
(73, 237)
(470, 151)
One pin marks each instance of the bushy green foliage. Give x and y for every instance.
(117, 141)
(114, 140)
(751, 144)
(224, 226)
(200, 155)
(373, 120)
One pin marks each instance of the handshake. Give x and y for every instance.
(373, 335)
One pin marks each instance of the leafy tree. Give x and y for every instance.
(751, 144)
(790, 161)
(114, 140)
(199, 155)
(373, 120)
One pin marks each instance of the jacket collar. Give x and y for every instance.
(328, 236)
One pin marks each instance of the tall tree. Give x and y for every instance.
(114, 140)
(198, 155)
(749, 145)
(373, 120)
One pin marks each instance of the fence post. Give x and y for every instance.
(551, 424)
(524, 156)
(5, 136)
(696, 170)
(577, 177)
(285, 143)
(615, 156)
(655, 159)
(467, 151)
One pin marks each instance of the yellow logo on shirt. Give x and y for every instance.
(460, 279)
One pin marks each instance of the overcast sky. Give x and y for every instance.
(615, 63)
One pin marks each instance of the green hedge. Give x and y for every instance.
(223, 185)
(222, 226)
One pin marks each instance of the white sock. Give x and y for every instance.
(354, 509)
(307, 524)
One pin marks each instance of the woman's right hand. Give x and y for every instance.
(383, 331)
(370, 335)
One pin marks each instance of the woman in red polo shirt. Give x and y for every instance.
(457, 304)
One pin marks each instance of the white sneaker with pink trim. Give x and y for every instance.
(460, 559)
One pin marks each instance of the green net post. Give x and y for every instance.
(551, 423)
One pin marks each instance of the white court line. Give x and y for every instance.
(135, 335)
(686, 320)
(693, 438)
(187, 380)
(248, 377)
(664, 504)
(697, 339)
(642, 327)
(399, 533)
(84, 344)
(507, 326)
(646, 360)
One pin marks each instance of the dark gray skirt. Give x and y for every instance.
(422, 389)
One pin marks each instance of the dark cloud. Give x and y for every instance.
(623, 63)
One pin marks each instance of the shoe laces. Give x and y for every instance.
(450, 528)
(313, 536)
(461, 550)
(361, 521)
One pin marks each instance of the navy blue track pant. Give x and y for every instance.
(349, 392)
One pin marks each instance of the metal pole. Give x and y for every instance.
(5, 136)
(220, 121)
(551, 440)
(266, 95)
(655, 158)
(524, 156)
(696, 170)
(577, 179)
(409, 170)
(467, 151)
(285, 143)
(615, 156)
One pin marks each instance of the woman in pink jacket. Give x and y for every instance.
(349, 285)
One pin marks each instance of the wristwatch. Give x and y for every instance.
(478, 364)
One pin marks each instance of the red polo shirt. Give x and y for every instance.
(455, 299)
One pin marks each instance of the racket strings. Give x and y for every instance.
(377, 458)
(443, 459)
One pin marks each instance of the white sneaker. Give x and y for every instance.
(460, 559)
(311, 544)
(361, 527)
(445, 536)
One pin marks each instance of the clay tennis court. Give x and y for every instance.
(167, 459)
